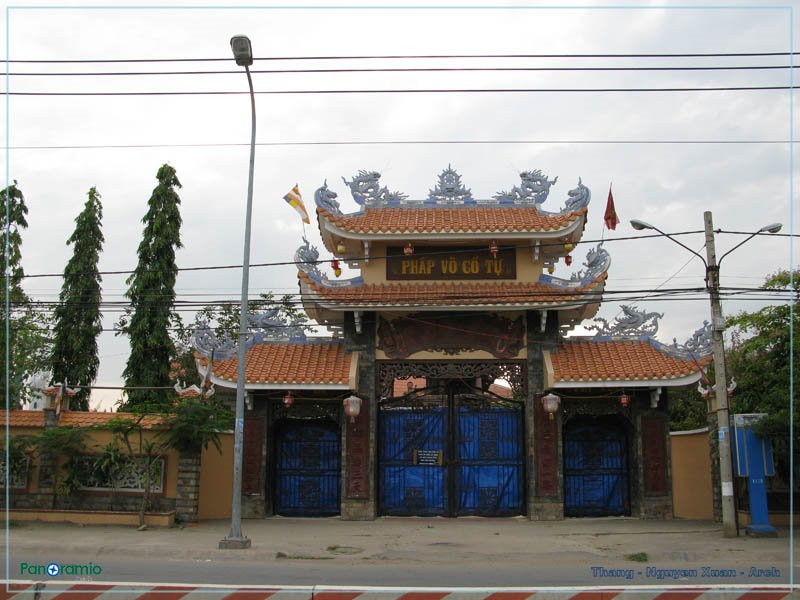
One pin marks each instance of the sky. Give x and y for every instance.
(670, 155)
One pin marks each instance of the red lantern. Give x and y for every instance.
(408, 250)
(493, 248)
(568, 260)
(337, 270)
(625, 400)
(288, 399)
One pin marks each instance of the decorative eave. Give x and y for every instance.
(614, 362)
(437, 294)
(450, 213)
(313, 365)
(579, 296)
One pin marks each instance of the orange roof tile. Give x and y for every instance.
(287, 363)
(440, 293)
(491, 219)
(23, 418)
(592, 360)
(69, 418)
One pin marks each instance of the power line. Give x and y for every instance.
(418, 254)
(420, 91)
(410, 57)
(396, 143)
(401, 70)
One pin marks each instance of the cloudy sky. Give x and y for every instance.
(670, 154)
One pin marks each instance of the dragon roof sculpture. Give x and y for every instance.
(533, 190)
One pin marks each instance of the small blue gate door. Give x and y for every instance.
(413, 461)
(490, 475)
(595, 469)
(308, 460)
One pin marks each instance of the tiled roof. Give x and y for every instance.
(495, 219)
(451, 294)
(69, 418)
(23, 418)
(288, 363)
(591, 360)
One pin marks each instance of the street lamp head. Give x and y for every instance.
(771, 228)
(242, 50)
(639, 225)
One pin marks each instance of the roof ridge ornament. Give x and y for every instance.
(698, 344)
(534, 188)
(367, 192)
(325, 199)
(578, 197)
(634, 323)
(598, 260)
(449, 189)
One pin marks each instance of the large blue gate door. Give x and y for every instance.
(413, 458)
(595, 470)
(490, 474)
(308, 459)
(430, 466)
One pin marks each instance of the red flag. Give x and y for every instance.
(611, 218)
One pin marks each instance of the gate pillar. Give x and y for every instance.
(358, 436)
(544, 464)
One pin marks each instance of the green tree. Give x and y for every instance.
(23, 330)
(152, 296)
(77, 317)
(760, 360)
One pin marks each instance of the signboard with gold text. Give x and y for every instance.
(436, 262)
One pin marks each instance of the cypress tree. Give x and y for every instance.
(152, 296)
(77, 317)
(23, 339)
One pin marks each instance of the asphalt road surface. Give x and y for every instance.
(238, 570)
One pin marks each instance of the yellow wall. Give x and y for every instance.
(527, 270)
(95, 441)
(691, 476)
(216, 480)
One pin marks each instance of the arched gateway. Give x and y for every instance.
(450, 337)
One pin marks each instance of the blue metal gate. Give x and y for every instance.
(428, 467)
(307, 478)
(595, 470)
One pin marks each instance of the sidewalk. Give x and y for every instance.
(411, 540)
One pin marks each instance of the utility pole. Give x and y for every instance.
(720, 383)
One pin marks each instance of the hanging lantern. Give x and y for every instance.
(493, 249)
(408, 250)
(568, 260)
(337, 270)
(550, 404)
(352, 407)
(625, 400)
(288, 399)
(551, 269)
(340, 248)
(569, 247)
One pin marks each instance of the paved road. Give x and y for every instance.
(411, 553)
(366, 572)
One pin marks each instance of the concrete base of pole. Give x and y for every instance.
(234, 543)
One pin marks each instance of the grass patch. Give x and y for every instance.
(638, 557)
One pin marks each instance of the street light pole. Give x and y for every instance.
(720, 376)
(720, 383)
(243, 53)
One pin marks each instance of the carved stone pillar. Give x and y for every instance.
(359, 437)
(544, 463)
